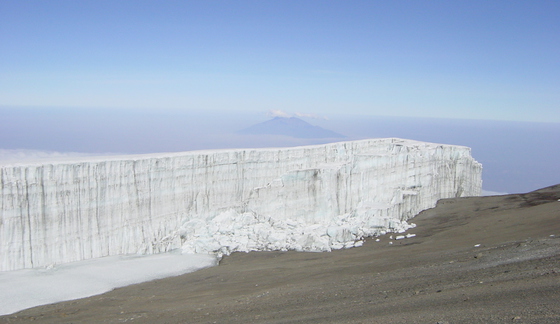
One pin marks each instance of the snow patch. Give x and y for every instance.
(21, 289)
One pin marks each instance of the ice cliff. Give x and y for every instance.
(312, 198)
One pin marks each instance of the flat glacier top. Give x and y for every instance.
(30, 157)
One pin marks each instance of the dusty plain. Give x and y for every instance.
(473, 260)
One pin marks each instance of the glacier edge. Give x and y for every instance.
(309, 198)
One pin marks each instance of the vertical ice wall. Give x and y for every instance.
(305, 198)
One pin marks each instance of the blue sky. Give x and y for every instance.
(453, 59)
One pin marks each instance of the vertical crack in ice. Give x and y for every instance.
(29, 228)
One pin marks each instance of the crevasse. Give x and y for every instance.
(311, 198)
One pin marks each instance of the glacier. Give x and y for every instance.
(309, 198)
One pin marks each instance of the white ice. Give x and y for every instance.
(21, 289)
(311, 198)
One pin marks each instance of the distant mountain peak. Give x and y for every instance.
(290, 126)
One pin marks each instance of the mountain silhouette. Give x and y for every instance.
(290, 126)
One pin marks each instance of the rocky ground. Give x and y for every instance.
(473, 260)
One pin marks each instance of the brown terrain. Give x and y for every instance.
(473, 260)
